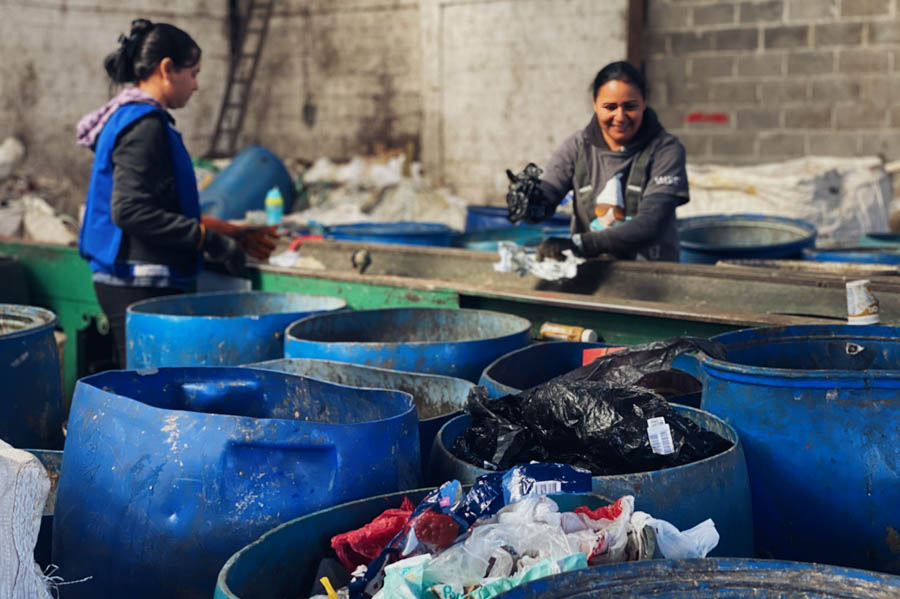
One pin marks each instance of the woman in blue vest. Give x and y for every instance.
(627, 173)
(142, 232)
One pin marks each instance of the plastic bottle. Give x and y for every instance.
(274, 206)
(565, 332)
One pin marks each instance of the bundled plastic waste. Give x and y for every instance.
(506, 531)
(594, 417)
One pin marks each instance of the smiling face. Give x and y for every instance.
(619, 107)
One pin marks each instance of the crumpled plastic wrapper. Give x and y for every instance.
(517, 259)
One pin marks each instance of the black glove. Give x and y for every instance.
(525, 200)
(553, 248)
(224, 249)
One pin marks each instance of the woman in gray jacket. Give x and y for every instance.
(627, 173)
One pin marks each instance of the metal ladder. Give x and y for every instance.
(240, 79)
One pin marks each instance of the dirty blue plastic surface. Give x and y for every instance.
(166, 474)
(864, 255)
(216, 329)
(817, 408)
(716, 487)
(438, 398)
(282, 562)
(52, 461)
(708, 239)
(242, 186)
(31, 406)
(494, 217)
(458, 343)
(880, 239)
(402, 232)
(716, 578)
(538, 363)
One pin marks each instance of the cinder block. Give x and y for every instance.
(733, 91)
(757, 118)
(786, 37)
(714, 14)
(656, 43)
(785, 91)
(736, 39)
(688, 94)
(895, 116)
(761, 12)
(885, 144)
(884, 32)
(662, 16)
(805, 10)
(880, 89)
(863, 61)
(810, 63)
(670, 117)
(835, 90)
(733, 144)
(712, 66)
(865, 8)
(811, 116)
(696, 145)
(838, 34)
(685, 43)
(770, 64)
(860, 115)
(781, 145)
(832, 143)
(669, 67)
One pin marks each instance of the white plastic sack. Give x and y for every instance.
(42, 223)
(11, 153)
(24, 486)
(844, 198)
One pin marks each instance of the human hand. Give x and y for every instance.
(553, 248)
(224, 249)
(259, 242)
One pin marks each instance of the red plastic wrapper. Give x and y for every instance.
(362, 545)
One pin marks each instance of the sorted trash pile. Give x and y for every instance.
(505, 531)
(597, 417)
(369, 189)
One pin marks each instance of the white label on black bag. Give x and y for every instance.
(547, 487)
(660, 436)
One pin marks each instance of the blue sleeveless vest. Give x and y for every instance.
(100, 238)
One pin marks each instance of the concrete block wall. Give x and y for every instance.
(51, 73)
(751, 81)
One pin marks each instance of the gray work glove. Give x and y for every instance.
(224, 249)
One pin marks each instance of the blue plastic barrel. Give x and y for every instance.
(458, 343)
(168, 472)
(437, 398)
(708, 239)
(494, 217)
(714, 578)
(863, 255)
(881, 239)
(282, 562)
(405, 233)
(52, 461)
(538, 363)
(242, 186)
(31, 405)
(817, 408)
(716, 487)
(216, 329)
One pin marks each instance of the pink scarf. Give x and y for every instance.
(91, 124)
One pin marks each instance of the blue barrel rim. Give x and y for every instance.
(842, 379)
(887, 255)
(139, 308)
(707, 570)
(730, 435)
(491, 382)
(697, 221)
(410, 405)
(289, 336)
(391, 228)
(262, 365)
(40, 320)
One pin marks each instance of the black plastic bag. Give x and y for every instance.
(592, 417)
